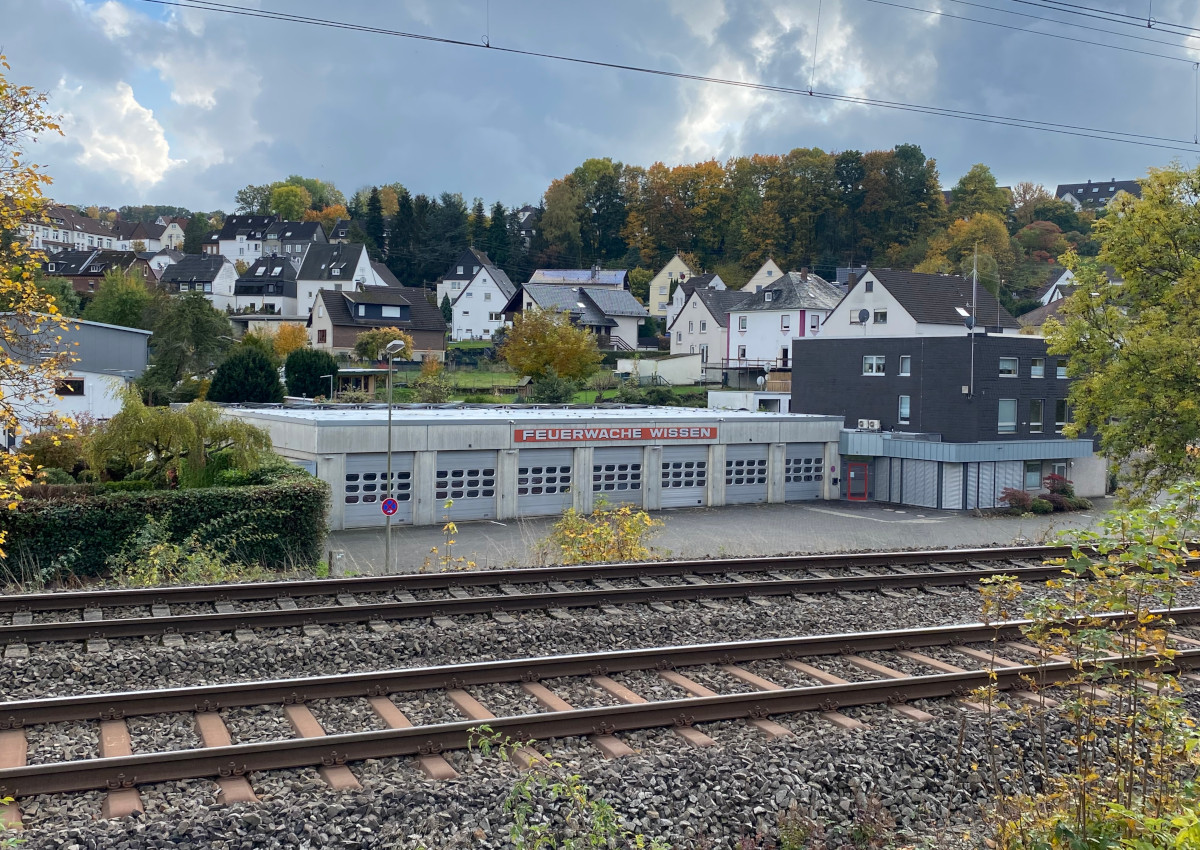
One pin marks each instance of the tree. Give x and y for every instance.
(447, 310)
(137, 246)
(288, 337)
(262, 341)
(560, 222)
(541, 343)
(551, 389)
(247, 375)
(66, 299)
(307, 371)
(194, 234)
(1025, 198)
(190, 339)
(173, 443)
(254, 200)
(374, 225)
(33, 360)
(371, 345)
(121, 299)
(639, 283)
(977, 192)
(328, 217)
(431, 386)
(478, 224)
(289, 202)
(1134, 346)
(497, 235)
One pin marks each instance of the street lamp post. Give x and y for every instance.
(330, 377)
(393, 348)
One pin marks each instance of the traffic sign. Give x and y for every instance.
(389, 506)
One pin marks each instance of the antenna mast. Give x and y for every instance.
(974, 299)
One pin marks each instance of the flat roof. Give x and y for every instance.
(502, 414)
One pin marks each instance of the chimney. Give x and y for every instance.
(595, 271)
(804, 274)
(851, 280)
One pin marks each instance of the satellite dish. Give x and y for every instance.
(863, 315)
(761, 380)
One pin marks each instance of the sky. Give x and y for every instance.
(170, 105)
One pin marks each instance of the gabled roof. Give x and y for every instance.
(507, 287)
(341, 230)
(718, 302)
(69, 262)
(267, 271)
(385, 274)
(296, 231)
(581, 277)
(322, 258)
(422, 316)
(1053, 275)
(593, 306)
(932, 298)
(1098, 193)
(469, 259)
(250, 226)
(193, 268)
(795, 291)
(1037, 317)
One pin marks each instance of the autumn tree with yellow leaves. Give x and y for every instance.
(33, 354)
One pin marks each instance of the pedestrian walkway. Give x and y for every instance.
(735, 531)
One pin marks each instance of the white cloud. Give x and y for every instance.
(115, 19)
(114, 132)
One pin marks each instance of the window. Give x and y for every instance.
(390, 311)
(68, 386)
(1008, 367)
(1037, 413)
(321, 336)
(336, 272)
(1060, 368)
(1060, 414)
(679, 336)
(460, 269)
(466, 312)
(814, 322)
(487, 296)
(50, 267)
(495, 317)
(662, 290)
(1033, 474)
(662, 305)
(703, 326)
(695, 304)
(874, 364)
(1007, 420)
(691, 327)
(770, 272)
(703, 353)
(741, 352)
(902, 413)
(1037, 367)
(868, 286)
(785, 323)
(741, 323)
(470, 294)
(881, 317)
(768, 296)
(691, 349)
(1059, 467)
(208, 287)
(905, 365)
(362, 309)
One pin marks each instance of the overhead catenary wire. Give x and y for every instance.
(1149, 21)
(1100, 134)
(1166, 28)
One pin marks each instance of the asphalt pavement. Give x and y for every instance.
(743, 530)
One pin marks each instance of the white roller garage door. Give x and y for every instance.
(746, 474)
(952, 486)
(804, 471)
(544, 480)
(366, 488)
(617, 475)
(920, 483)
(469, 480)
(684, 476)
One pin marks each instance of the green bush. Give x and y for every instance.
(97, 525)
(247, 375)
(1041, 506)
(126, 486)
(51, 475)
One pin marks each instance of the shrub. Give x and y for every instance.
(1058, 501)
(303, 370)
(150, 557)
(1041, 506)
(608, 534)
(57, 448)
(553, 390)
(99, 525)
(1081, 504)
(431, 387)
(1018, 501)
(247, 375)
(51, 475)
(1059, 485)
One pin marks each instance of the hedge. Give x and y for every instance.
(291, 515)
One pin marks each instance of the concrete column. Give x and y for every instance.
(427, 508)
(716, 474)
(652, 478)
(776, 489)
(833, 469)
(581, 479)
(332, 470)
(507, 463)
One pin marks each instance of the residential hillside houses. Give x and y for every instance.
(610, 312)
(684, 289)
(338, 317)
(660, 294)
(292, 237)
(85, 269)
(702, 326)
(240, 238)
(159, 261)
(337, 267)
(1098, 195)
(1058, 283)
(477, 290)
(767, 274)
(214, 276)
(64, 229)
(763, 327)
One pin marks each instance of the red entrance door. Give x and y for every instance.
(856, 489)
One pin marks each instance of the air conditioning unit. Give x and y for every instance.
(864, 424)
(873, 424)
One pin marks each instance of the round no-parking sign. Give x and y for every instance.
(389, 506)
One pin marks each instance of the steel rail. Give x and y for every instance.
(237, 760)
(78, 599)
(113, 705)
(126, 627)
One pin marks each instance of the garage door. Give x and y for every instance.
(684, 476)
(881, 480)
(1009, 473)
(366, 487)
(617, 475)
(920, 483)
(803, 471)
(746, 474)
(469, 480)
(952, 486)
(544, 481)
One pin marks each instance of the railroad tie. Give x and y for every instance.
(337, 776)
(14, 751)
(612, 746)
(285, 603)
(945, 667)
(433, 766)
(692, 578)
(473, 709)
(660, 607)
(160, 610)
(214, 733)
(1193, 677)
(825, 678)
(693, 736)
(768, 727)
(115, 743)
(224, 607)
(878, 669)
(842, 721)
(1040, 655)
(16, 652)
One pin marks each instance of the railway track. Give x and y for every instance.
(751, 681)
(147, 612)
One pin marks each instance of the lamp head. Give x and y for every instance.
(395, 346)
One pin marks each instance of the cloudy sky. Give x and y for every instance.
(169, 105)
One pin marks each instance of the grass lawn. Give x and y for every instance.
(468, 344)
(476, 379)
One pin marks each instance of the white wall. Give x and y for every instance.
(749, 400)
(765, 338)
(245, 249)
(258, 303)
(477, 303)
(223, 286)
(676, 370)
(769, 273)
(899, 322)
(678, 300)
(101, 399)
(687, 336)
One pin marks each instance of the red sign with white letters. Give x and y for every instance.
(614, 434)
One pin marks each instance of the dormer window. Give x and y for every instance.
(94, 269)
(335, 272)
(362, 309)
(460, 269)
(278, 271)
(49, 267)
(767, 296)
(259, 272)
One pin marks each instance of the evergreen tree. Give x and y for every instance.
(478, 225)
(247, 375)
(307, 369)
(401, 237)
(497, 235)
(194, 233)
(447, 309)
(374, 226)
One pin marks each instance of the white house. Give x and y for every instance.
(63, 229)
(891, 303)
(675, 271)
(611, 313)
(160, 260)
(336, 266)
(1058, 284)
(215, 276)
(685, 289)
(479, 305)
(763, 327)
(268, 286)
(468, 264)
(764, 277)
(702, 326)
(241, 237)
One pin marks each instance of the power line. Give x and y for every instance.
(1142, 139)
(1150, 22)
(1082, 12)
(1054, 36)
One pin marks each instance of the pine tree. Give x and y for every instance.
(374, 226)
(447, 309)
(194, 233)
(497, 235)
(247, 375)
(478, 224)
(308, 371)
